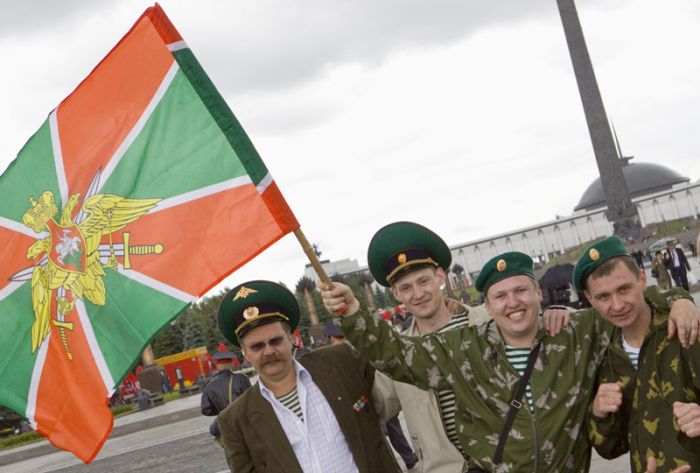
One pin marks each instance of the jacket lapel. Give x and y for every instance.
(328, 377)
(267, 426)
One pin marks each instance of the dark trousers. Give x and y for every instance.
(399, 442)
(680, 278)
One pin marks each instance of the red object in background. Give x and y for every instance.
(297, 339)
(130, 386)
(387, 315)
(191, 364)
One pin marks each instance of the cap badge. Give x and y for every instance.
(501, 265)
(244, 292)
(594, 254)
(251, 312)
(401, 258)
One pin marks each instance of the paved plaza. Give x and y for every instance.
(156, 441)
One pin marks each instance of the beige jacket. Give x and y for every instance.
(422, 414)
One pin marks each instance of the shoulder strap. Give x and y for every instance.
(230, 388)
(515, 404)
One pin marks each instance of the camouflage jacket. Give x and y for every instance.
(472, 362)
(645, 425)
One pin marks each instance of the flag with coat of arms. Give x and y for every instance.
(138, 193)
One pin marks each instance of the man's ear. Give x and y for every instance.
(587, 294)
(441, 276)
(395, 293)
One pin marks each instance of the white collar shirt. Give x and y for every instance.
(317, 441)
(674, 255)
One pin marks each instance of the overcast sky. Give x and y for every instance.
(461, 115)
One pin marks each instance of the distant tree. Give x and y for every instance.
(167, 342)
(337, 278)
(195, 327)
(458, 270)
(305, 286)
(389, 299)
(380, 297)
(365, 281)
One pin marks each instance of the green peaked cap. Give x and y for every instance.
(256, 303)
(503, 266)
(399, 247)
(594, 256)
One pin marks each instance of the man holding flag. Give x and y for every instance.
(483, 366)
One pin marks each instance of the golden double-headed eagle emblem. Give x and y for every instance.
(68, 260)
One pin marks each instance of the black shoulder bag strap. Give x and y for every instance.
(515, 404)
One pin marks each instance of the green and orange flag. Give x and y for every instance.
(139, 193)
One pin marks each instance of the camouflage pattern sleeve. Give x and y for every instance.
(692, 361)
(610, 435)
(415, 360)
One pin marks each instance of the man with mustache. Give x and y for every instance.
(313, 415)
(483, 366)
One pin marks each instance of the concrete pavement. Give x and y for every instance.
(160, 425)
(156, 417)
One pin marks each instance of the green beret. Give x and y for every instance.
(399, 247)
(503, 266)
(594, 256)
(253, 304)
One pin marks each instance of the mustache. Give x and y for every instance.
(271, 359)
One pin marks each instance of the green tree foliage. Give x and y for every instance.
(364, 281)
(195, 327)
(380, 297)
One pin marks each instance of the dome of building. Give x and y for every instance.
(642, 179)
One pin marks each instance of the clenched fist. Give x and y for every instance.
(608, 399)
(338, 298)
(651, 467)
(688, 415)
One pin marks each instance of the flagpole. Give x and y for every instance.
(313, 259)
(315, 331)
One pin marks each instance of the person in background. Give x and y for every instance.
(165, 381)
(659, 271)
(225, 386)
(678, 264)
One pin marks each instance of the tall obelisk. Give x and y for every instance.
(621, 211)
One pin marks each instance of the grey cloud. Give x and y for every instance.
(291, 43)
(29, 15)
